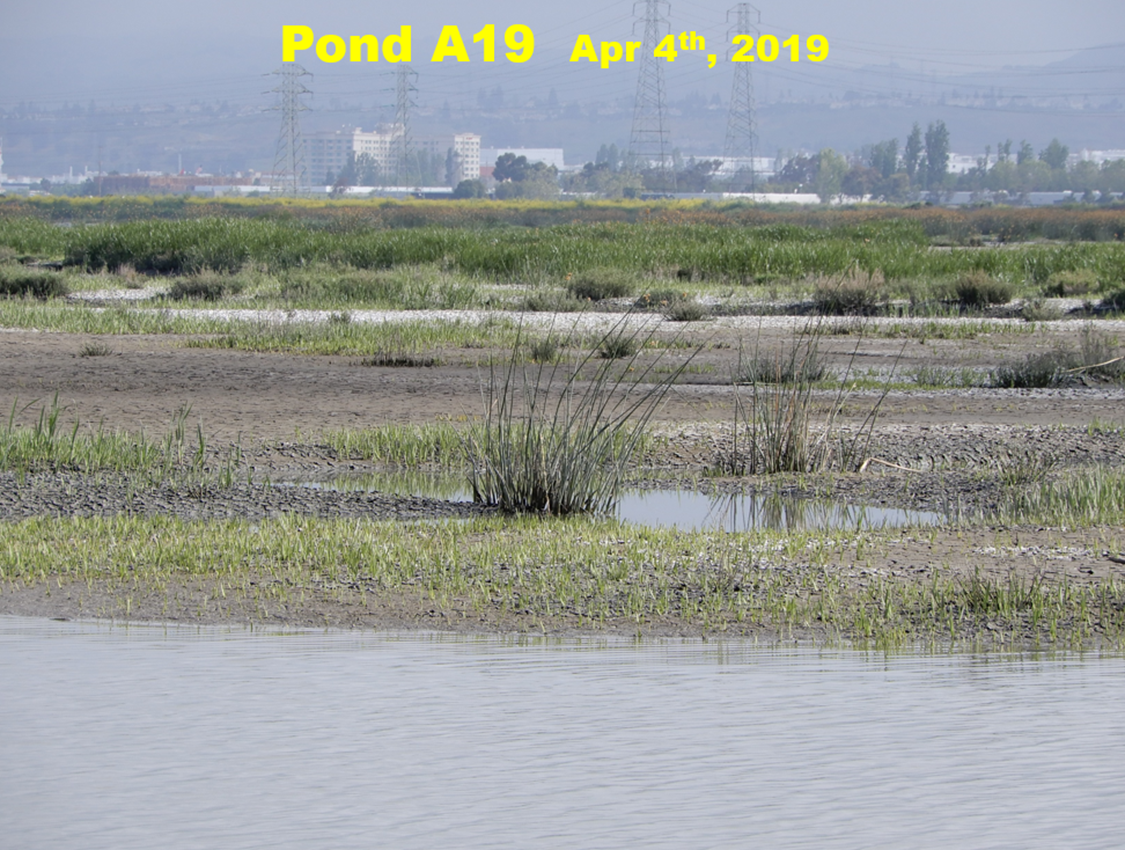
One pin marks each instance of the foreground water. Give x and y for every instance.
(146, 736)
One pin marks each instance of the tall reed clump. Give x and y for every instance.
(558, 438)
(777, 427)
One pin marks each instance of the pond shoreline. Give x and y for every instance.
(1021, 588)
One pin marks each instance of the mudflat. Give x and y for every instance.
(931, 449)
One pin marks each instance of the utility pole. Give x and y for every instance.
(741, 138)
(648, 142)
(290, 176)
(405, 161)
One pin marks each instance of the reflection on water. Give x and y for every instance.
(142, 737)
(684, 509)
(688, 509)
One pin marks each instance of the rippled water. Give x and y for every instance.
(143, 737)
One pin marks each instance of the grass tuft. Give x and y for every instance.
(685, 310)
(557, 443)
(205, 286)
(600, 284)
(20, 282)
(95, 349)
(855, 293)
(618, 345)
(977, 290)
(778, 429)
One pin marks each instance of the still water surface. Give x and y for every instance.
(685, 509)
(146, 736)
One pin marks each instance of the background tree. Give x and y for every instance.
(610, 156)
(1055, 155)
(831, 168)
(601, 179)
(912, 152)
(799, 173)
(860, 180)
(517, 178)
(883, 157)
(510, 167)
(937, 155)
(469, 189)
(1026, 153)
(1112, 178)
(696, 175)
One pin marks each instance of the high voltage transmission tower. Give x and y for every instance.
(404, 158)
(741, 130)
(648, 142)
(290, 177)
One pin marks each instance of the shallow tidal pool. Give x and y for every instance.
(683, 508)
(144, 736)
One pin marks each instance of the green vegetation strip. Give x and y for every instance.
(896, 249)
(1079, 499)
(70, 318)
(390, 344)
(534, 573)
(404, 445)
(958, 225)
(339, 336)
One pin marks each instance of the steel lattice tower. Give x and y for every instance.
(742, 134)
(648, 141)
(290, 176)
(405, 162)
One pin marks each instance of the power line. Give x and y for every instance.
(741, 131)
(648, 140)
(404, 159)
(290, 177)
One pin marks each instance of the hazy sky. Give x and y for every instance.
(146, 50)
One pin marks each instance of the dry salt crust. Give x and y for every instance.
(600, 321)
(96, 296)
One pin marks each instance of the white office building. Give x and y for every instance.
(328, 153)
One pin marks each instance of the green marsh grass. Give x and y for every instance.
(76, 318)
(538, 573)
(388, 343)
(661, 247)
(938, 225)
(48, 445)
(405, 287)
(1080, 498)
(403, 445)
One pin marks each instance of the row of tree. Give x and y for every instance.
(922, 169)
(880, 171)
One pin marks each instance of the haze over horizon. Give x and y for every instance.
(136, 53)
